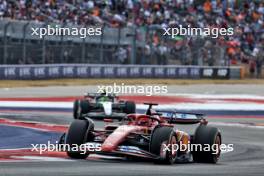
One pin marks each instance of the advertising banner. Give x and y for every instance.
(36, 72)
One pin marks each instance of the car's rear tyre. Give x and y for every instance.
(130, 107)
(163, 136)
(77, 135)
(206, 135)
(80, 107)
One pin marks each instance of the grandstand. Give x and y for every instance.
(132, 32)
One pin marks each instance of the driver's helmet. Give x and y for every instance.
(103, 92)
(103, 97)
(143, 122)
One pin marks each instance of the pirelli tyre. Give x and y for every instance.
(162, 139)
(79, 132)
(206, 137)
(130, 107)
(76, 108)
(80, 107)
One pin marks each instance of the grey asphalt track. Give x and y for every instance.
(251, 89)
(247, 158)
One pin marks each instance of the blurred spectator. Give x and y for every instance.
(121, 55)
(252, 68)
(258, 54)
(147, 53)
(207, 6)
(162, 50)
(246, 17)
(208, 53)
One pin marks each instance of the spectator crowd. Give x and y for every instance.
(245, 16)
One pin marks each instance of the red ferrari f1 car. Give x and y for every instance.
(152, 135)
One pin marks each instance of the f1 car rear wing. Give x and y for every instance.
(174, 117)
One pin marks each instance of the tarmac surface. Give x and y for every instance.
(247, 139)
(215, 89)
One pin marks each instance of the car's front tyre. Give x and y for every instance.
(80, 107)
(76, 136)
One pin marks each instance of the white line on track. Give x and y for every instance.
(241, 125)
(47, 158)
(15, 149)
(211, 106)
(41, 158)
(217, 96)
(241, 106)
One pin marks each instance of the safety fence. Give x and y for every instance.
(128, 45)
